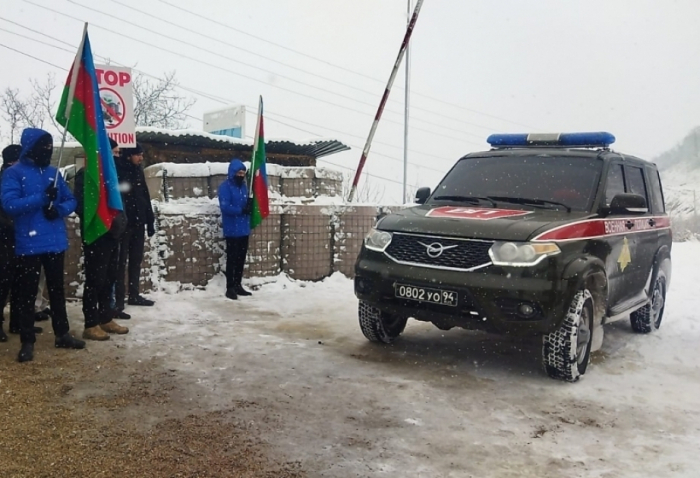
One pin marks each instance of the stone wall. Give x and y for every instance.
(304, 241)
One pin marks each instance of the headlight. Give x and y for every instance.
(377, 240)
(521, 254)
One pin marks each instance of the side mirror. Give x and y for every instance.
(628, 204)
(422, 195)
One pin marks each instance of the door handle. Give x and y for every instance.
(629, 224)
(652, 222)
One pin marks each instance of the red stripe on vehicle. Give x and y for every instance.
(596, 228)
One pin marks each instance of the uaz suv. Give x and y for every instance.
(554, 235)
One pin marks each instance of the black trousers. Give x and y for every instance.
(8, 285)
(27, 280)
(236, 251)
(131, 251)
(101, 264)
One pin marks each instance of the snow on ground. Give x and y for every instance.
(436, 403)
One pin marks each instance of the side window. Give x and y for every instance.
(636, 183)
(615, 184)
(657, 194)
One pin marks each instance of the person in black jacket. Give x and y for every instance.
(10, 156)
(101, 264)
(140, 218)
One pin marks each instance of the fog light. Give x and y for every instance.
(526, 310)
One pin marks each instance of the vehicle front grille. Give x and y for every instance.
(456, 254)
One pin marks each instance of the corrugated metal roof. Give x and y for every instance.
(312, 148)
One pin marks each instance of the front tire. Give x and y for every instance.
(567, 351)
(379, 326)
(648, 318)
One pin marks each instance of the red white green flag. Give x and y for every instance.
(258, 173)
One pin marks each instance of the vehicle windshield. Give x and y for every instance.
(548, 180)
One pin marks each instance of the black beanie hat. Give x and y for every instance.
(11, 154)
(128, 152)
(113, 144)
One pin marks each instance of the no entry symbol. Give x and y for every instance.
(113, 109)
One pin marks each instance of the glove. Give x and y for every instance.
(248, 208)
(151, 230)
(51, 213)
(51, 193)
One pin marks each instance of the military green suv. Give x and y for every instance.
(553, 235)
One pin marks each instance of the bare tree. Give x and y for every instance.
(43, 100)
(35, 111)
(158, 104)
(367, 192)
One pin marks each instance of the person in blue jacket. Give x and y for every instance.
(235, 216)
(38, 200)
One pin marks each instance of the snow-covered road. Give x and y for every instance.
(435, 404)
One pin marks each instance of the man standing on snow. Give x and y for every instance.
(37, 198)
(10, 156)
(101, 264)
(235, 216)
(139, 214)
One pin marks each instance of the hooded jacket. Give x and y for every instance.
(135, 195)
(24, 197)
(232, 201)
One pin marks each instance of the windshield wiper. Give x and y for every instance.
(530, 202)
(469, 199)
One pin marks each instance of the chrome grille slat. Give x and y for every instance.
(464, 254)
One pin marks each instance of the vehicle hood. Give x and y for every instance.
(501, 224)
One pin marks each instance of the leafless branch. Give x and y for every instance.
(158, 104)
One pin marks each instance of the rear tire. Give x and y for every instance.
(566, 352)
(648, 318)
(379, 326)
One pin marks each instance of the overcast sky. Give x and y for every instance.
(477, 67)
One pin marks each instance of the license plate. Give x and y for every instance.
(426, 294)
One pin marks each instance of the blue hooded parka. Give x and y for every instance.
(24, 197)
(232, 201)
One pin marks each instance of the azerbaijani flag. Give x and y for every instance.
(80, 113)
(258, 173)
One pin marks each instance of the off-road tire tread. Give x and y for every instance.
(559, 347)
(641, 319)
(372, 325)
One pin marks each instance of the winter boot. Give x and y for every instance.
(95, 333)
(3, 335)
(120, 314)
(67, 341)
(139, 300)
(112, 327)
(43, 315)
(241, 291)
(26, 353)
(231, 294)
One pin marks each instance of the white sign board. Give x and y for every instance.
(228, 121)
(117, 100)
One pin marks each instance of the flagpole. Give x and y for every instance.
(255, 147)
(71, 93)
(385, 97)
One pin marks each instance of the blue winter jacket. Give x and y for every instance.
(24, 197)
(232, 201)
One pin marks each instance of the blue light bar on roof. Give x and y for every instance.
(589, 140)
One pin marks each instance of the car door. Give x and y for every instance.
(618, 246)
(643, 232)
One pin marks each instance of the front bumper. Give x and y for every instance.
(488, 299)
